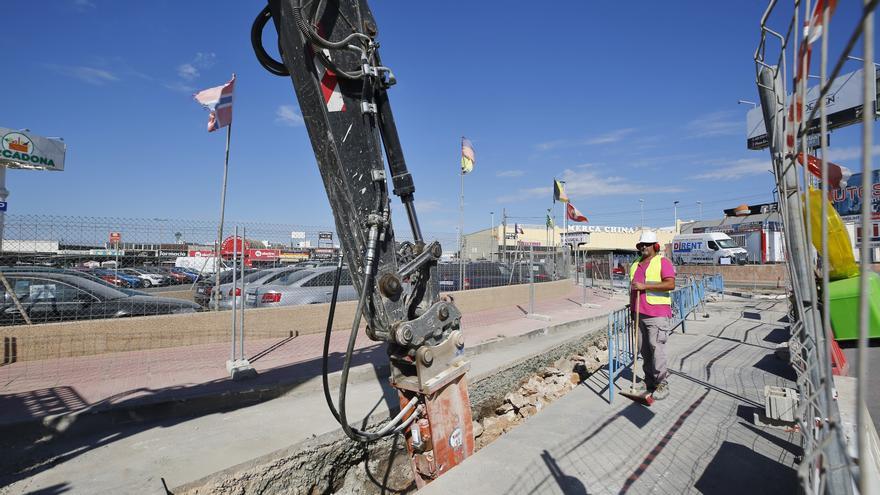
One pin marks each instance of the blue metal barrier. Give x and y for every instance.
(620, 352)
(689, 297)
(685, 300)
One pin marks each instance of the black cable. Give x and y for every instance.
(270, 64)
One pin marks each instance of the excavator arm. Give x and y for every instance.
(330, 52)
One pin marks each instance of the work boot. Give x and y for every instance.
(661, 392)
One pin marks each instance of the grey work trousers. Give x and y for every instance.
(653, 333)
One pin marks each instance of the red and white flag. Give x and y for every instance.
(574, 214)
(218, 101)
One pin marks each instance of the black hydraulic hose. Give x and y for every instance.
(324, 367)
(346, 365)
(362, 300)
(353, 433)
(315, 38)
(270, 64)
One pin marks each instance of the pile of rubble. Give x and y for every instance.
(539, 390)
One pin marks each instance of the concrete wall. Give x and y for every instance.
(483, 243)
(764, 274)
(84, 338)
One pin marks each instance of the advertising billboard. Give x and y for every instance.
(843, 104)
(23, 149)
(848, 204)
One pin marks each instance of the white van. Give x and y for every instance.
(709, 248)
(198, 264)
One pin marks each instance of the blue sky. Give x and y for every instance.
(625, 101)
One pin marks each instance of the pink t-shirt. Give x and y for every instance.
(651, 310)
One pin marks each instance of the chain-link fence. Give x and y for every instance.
(832, 299)
(510, 268)
(85, 286)
(110, 310)
(606, 272)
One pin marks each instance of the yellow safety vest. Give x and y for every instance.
(652, 274)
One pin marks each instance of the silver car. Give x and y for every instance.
(252, 280)
(308, 286)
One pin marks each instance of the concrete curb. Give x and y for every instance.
(99, 416)
(749, 295)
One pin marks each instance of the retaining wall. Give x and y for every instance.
(91, 337)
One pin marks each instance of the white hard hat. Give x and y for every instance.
(648, 237)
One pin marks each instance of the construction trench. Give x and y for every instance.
(333, 463)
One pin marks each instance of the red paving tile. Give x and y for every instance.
(33, 389)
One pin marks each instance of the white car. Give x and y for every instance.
(147, 278)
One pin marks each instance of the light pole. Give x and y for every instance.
(700, 204)
(675, 214)
(492, 238)
(642, 208)
(747, 102)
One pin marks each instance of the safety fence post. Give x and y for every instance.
(531, 314)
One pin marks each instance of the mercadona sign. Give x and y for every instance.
(26, 150)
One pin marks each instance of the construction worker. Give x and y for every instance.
(652, 279)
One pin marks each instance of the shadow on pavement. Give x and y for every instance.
(773, 365)
(52, 490)
(778, 335)
(42, 402)
(568, 484)
(38, 451)
(737, 469)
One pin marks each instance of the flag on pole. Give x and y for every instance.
(549, 221)
(559, 192)
(218, 101)
(517, 229)
(574, 214)
(467, 156)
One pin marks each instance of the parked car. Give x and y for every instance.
(167, 279)
(256, 279)
(79, 272)
(307, 286)
(147, 279)
(119, 277)
(176, 277)
(477, 275)
(59, 296)
(189, 274)
(203, 290)
(521, 272)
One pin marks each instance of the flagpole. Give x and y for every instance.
(222, 213)
(461, 234)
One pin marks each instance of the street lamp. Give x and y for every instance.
(492, 237)
(642, 208)
(675, 213)
(700, 204)
(859, 59)
(747, 102)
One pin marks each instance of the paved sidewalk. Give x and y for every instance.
(33, 390)
(700, 440)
